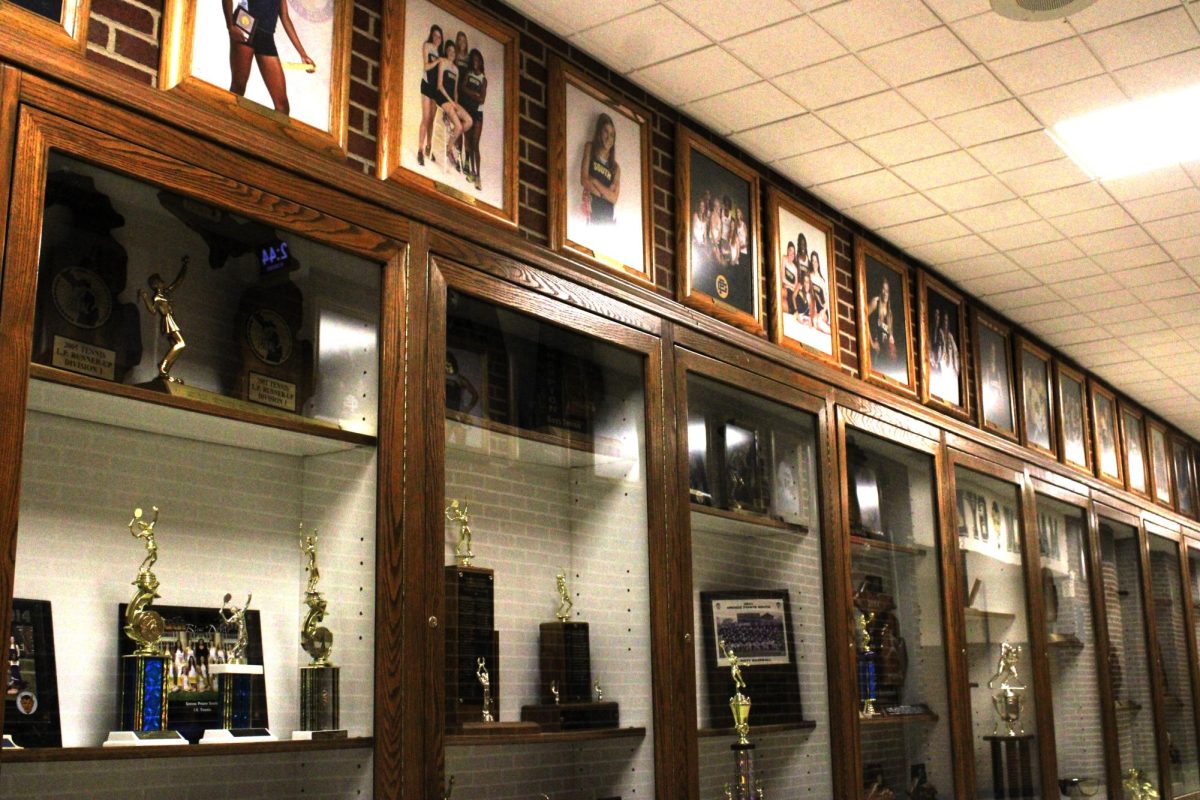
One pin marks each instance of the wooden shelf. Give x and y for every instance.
(719, 520)
(542, 737)
(54, 391)
(896, 719)
(1127, 705)
(979, 613)
(760, 730)
(559, 448)
(46, 754)
(879, 544)
(1068, 641)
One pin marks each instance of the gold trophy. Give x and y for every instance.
(143, 626)
(1007, 701)
(739, 704)
(867, 686)
(160, 303)
(458, 512)
(239, 684)
(481, 674)
(320, 698)
(745, 786)
(1137, 787)
(565, 604)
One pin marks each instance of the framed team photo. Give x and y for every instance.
(1074, 437)
(718, 240)
(281, 65)
(599, 175)
(943, 324)
(448, 119)
(1161, 485)
(993, 373)
(885, 340)
(1106, 435)
(61, 24)
(1037, 397)
(803, 283)
(1185, 483)
(1133, 434)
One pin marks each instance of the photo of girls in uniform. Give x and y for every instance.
(804, 299)
(885, 334)
(943, 326)
(602, 173)
(1160, 465)
(1134, 435)
(1073, 416)
(1108, 443)
(993, 360)
(452, 100)
(1037, 408)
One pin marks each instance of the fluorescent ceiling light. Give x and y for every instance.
(1134, 137)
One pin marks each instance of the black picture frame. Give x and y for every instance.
(31, 715)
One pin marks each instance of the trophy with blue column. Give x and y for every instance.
(240, 685)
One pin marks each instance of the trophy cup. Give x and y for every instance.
(143, 709)
(319, 695)
(240, 685)
(866, 664)
(566, 675)
(1011, 760)
(744, 787)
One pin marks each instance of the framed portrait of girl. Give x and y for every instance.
(58, 24)
(1036, 391)
(803, 284)
(448, 105)
(1161, 486)
(1106, 435)
(1185, 479)
(1074, 437)
(279, 65)
(993, 374)
(717, 236)
(943, 325)
(1133, 434)
(885, 340)
(599, 175)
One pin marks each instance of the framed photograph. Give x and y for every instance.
(866, 496)
(943, 324)
(745, 487)
(1161, 486)
(719, 270)
(993, 374)
(1036, 382)
(791, 479)
(1106, 435)
(600, 185)
(757, 627)
(279, 65)
(1133, 434)
(467, 381)
(885, 340)
(448, 117)
(61, 24)
(1185, 479)
(803, 283)
(1074, 437)
(31, 694)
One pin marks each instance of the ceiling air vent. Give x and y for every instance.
(1038, 10)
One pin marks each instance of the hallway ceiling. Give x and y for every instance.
(925, 120)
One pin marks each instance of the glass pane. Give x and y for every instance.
(1001, 680)
(1128, 667)
(548, 597)
(1166, 585)
(904, 721)
(50, 9)
(1074, 686)
(756, 555)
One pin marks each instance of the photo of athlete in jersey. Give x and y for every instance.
(258, 46)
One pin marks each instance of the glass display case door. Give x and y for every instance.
(1191, 549)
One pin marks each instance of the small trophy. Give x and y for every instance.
(1012, 760)
(240, 685)
(1007, 701)
(1137, 787)
(319, 680)
(144, 673)
(160, 303)
(745, 786)
(867, 686)
(481, 674)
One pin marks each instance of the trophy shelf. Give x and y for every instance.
(1066, 641)
(62, 393)
(866, 543)
(760, 730)
(983, 614)
(557, 448)
(707, 519)
(896, 719)
(546, 737)
(31, 755)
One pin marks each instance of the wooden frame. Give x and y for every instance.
(926, 285)
(1102, 399)
(1134, 451)
(865, 253)
(1162, 483)
(1072, 416)
(779, 204)
(710, 293)
(1185, 486)
(177, 61)
(68, 34)
(563, 76)
(398, 107)
(1027, 393)
(992, 395)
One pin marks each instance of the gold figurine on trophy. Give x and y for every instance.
(160, 304)
(142, 625)
(232, 615)
(1007, 701)
(564, 598)
(481, 674)
(1137, 787)
(739, 704)
(458, 512)
(316, 639)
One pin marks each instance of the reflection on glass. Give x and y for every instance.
(901, 666)
(1128, 667)
(50, 9)
(756, 534)
(545, 436)
(1078, 731)
(1185, 490)
(1178, 709)
(998, 660)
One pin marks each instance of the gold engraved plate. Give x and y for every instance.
(85, 359)
(271, 392)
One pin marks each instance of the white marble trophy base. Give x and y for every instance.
(319, 736)
(236, 669)
(231, 736)
(144, 738)
(9, 744)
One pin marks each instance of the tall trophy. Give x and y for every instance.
(1012, 765)
(319, 695)
(745, 786)
(240, 685)
(143, 709)
(867, 685)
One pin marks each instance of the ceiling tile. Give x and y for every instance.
(646, 37)
(1154, 273)
(1183, 248)
(1110, 12)
(860, 24)
(1044, 177)
(1183, 305)
(935, 229)
(1106, 300)
(940, 170)
(878, 185)
(755, 105)
(894, 211)
(1017, 151)
(570, 16)
(1160, 206)
(1181, 227)
(1027, 315)
(1052, 106)
(907, 144)
(1144, 39)
(675, 80)
(998, 215)
(1022, 297)
(830, 83)
(993, 36)
(1133, 257)
(950, 10)
(943, 252)
(979, 266)
(1162, 75)
(1079, 332)
(1081, 287)
(723, 19)
(1093, 220)
(875, 114)
(1069, 200)
(1043, 259)
(773, 51)
(1066, 270)
(1107, 241)
(1168, 179)
(969, 194)
(1025, 235)
(992, 284)
(917, 57)
(1176, 287)
(829, 164)
(787, 137)
(988, 123)
(1028, 71)
(955, 92)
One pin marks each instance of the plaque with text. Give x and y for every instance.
(565, 662)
